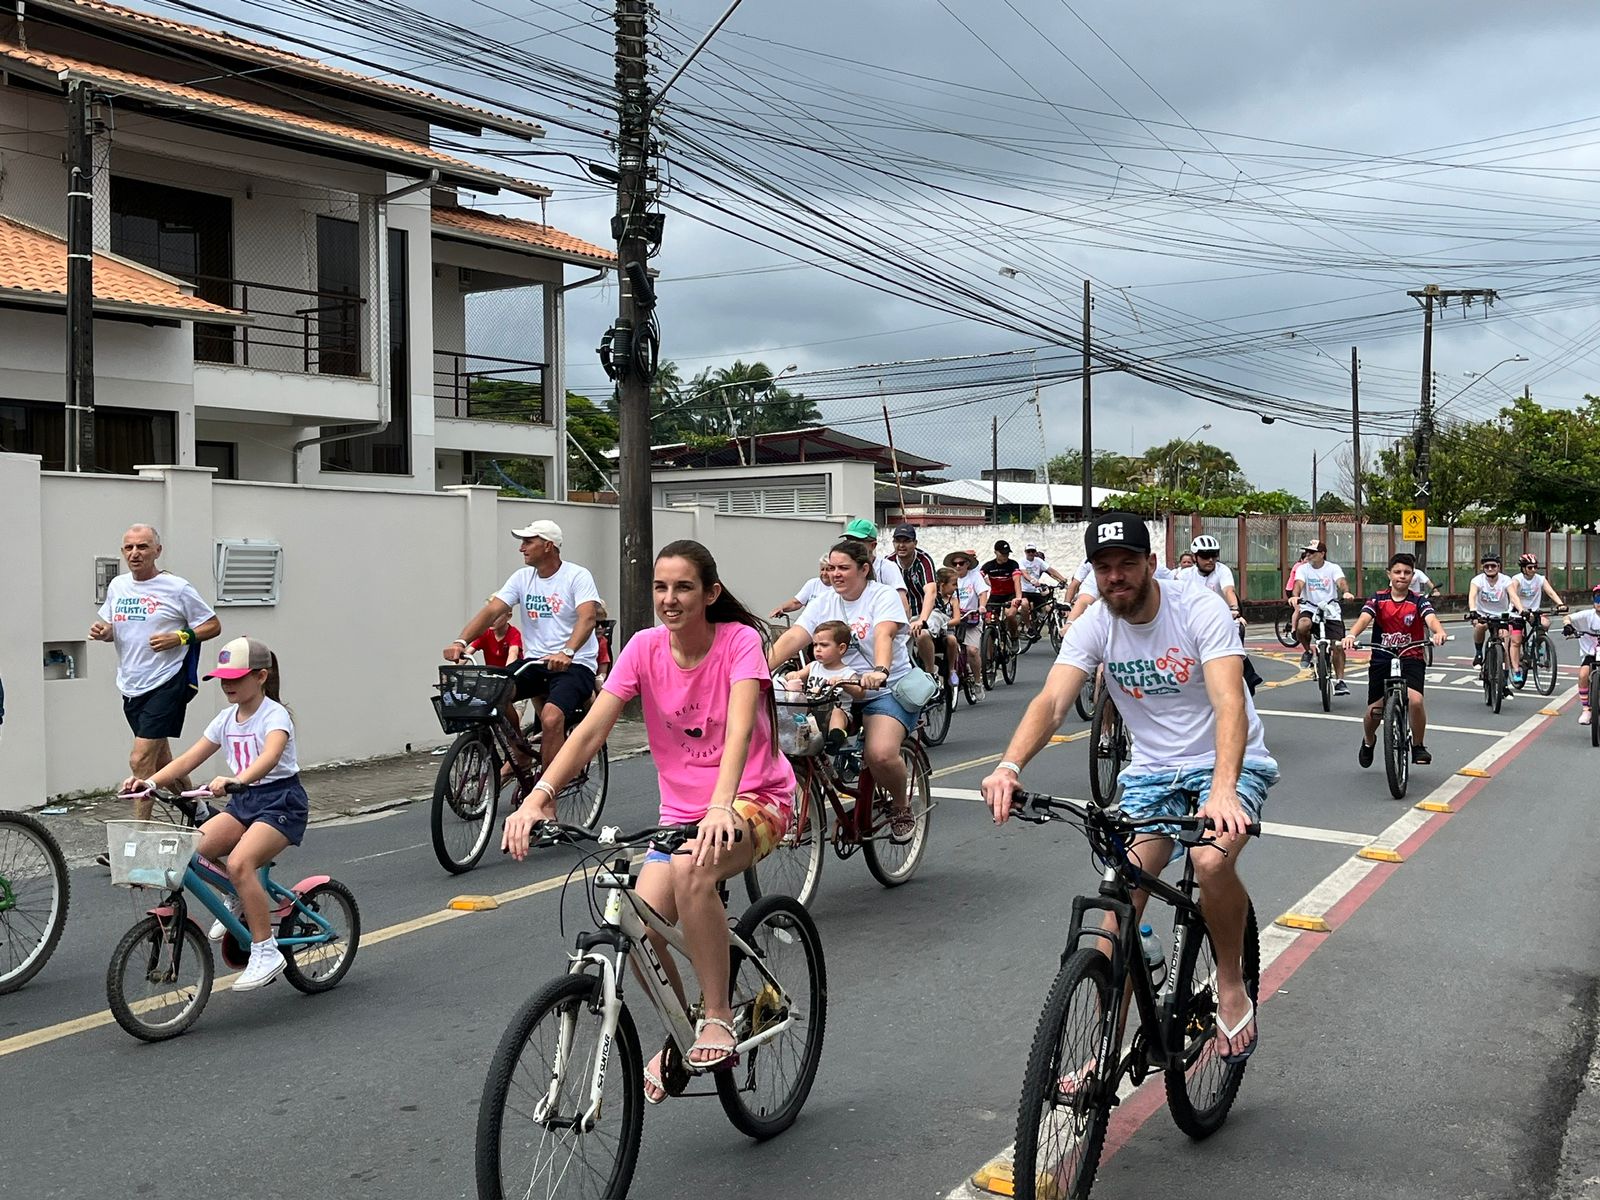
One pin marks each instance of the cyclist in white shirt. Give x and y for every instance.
(1421, 584)
(1490, 594)
(1319, 587)
(1075, 584)
(972, 591)
(809, 591)
(1034, 571)
(1172, 657)
(1587, 624)
(1531, 588)
(1209, 573)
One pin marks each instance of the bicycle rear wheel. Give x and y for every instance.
(529, 1140)
(891, 862)
(794, 868)
(1396, 744)
(320, 966)
(466, 796)
(149, 997)
(1060, 1129)
(969, 681)
(990, 656)
(1056, 630)
(35, 892)
(1107, 748)
(582, 800)
(1202, 1090)
(764, 1094)
(1084, 702)
(1283, 628)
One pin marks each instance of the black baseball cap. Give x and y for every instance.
(1003, 546)
(905, 531)
(1116, 531)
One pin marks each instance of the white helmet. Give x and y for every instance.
(1205, 542)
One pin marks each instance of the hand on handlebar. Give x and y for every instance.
(222, 784)
(1349, 642)
(455, 652)
(1000, 790)
(519, 829)
(1348, 596)
(133, 787)
(1225, 812)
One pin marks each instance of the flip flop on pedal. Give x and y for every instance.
(1230, 1034)
(726, 1056)
(652, 1080)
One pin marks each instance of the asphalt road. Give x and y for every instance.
(1430, 1045)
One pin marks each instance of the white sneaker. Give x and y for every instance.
(265, 966)
(1584, 717)
(218, 930)
(955, 680)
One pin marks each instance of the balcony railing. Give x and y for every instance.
(483, 387)
(291, 329)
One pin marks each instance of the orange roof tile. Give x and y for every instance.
(35, 262)
(246, 112)
(523, 233)
(116, 14)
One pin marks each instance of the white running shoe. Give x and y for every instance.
(218, 930)
(264, 967)
(1584, 717)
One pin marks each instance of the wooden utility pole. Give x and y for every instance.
(1088, 421)
(78, 450)
(1355, 442)
(994, 471)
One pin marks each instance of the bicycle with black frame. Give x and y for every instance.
(1496, 671)
(1396, 717)
(1078, 1060)
(999, 643)
(1539, 662)
(1321, 653)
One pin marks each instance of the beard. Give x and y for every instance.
(1134, 602)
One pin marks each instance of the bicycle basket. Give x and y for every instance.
(468, 696)
(149, 853)
(801, 723)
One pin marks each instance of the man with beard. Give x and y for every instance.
(1172, 653)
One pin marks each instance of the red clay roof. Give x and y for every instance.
(115, 14)
(35, 262)
(246, 112)
(523, 233)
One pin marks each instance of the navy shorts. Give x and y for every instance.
(282, 804)
(570, 690)
(158, 713)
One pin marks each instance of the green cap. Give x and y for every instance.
(862, 528)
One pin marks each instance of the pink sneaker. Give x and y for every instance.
(1584, 717)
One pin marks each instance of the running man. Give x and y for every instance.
(1398, 616)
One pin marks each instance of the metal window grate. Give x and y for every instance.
(248, 571)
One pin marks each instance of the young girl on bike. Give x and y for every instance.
(700, 676)
(269, 815)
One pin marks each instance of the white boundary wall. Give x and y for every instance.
(1061, 543)
(374, 584)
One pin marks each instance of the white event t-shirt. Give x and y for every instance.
(164, 603)
(973, 589)
(887, 572)
(1587, 623)
(1221, 577)
(1420, 583)
(1159, 670)
(1033, 570)
(242, 741)
(877, 604)
(547, 611)
(1493, 597)
(1530, 590)
(1320, 586)
(811, 589)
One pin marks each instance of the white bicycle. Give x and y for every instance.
(563, 1106)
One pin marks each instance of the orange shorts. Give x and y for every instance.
(767, 825)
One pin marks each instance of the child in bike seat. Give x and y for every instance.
(942, 620)
(257, 734)
(828, 645)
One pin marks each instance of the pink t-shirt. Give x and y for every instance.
(686, 718)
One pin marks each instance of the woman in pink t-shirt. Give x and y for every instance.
(700, 676)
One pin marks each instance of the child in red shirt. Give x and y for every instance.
(501, 643)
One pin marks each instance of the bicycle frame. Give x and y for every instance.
(208, 883)
(622, 940)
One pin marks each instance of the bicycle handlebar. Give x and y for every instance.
(670, 837)
(1037, 808)
(168, 796)
(1398, 650)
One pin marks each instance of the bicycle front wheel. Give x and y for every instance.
(764, 1094)
(1009, 652)
(991, 655)
(35, 892)
(1396, 744)
(893, 862)
(1496, 676)
(1594, 709)
(1202, 1089)
(531, 1139)
(1066, 1093)
(1107, 743)
(1544, 665)
(466, 795)
(1056, 629)
(1325, 678)
(794, 868)
(157, 985)
(582, 800)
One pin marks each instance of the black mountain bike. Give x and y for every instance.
(1396, 719)
(1496, 675)
(1077, 1062)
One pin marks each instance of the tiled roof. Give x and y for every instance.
(245, 112)
(522, 233)
(115, 14)
(35, 262)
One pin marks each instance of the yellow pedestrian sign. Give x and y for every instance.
(1414, 524)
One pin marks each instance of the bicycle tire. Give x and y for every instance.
(794, 868)
(578, 996)
(1497, 677)
(583, 800)
(1546, 666)
(1082, 983)
(1396, 744)
(1197, 1018)
(772, 927)
(1324, 669)
(1057, 629)
(35, 894)
(893, 863)
(148, 937)
(989, 655)
(1084, 701)
(1594, 709)
(969, 681)
(936, 717)
(1105, 750)
(466, 799)
(1008, 657)
(312, 969)
(1283, 628)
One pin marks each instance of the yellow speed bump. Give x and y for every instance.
(1473, 773)
(995, 1178)
(1306, 921)
(1379, 854)
(1443, 806)
(474, 903)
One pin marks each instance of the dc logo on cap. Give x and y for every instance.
(1111, 531)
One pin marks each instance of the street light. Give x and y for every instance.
(1478, 377)
(772, 382)
(1315, 460)
(1172, 459)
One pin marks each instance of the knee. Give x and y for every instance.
(240, 870)
(1212, 869)
(552, 720)
(691, 879)
(881, 756)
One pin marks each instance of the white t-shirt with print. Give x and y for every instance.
(1221, 577)
(1587, 623)
(973, 588)
(1159, 671)
(547, 611)
(1033, 570)
(811, 589)
(1320, 587)
(1531, 591)
(1420, 583)
(1493, 597)
(243, 741)
(164, 603)
(817, 673)
(863, 615)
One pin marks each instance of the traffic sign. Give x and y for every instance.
(1414, 524)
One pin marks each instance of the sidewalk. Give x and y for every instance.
(337, 791)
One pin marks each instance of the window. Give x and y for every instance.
(123, 438)
(188, 235)
(221, 457)
(389, 452)
(337, 304)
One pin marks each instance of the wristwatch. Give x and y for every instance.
(881, 668)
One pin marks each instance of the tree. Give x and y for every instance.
(1160, 500)
(1198, 467)
(595, 432)
(1551, 473)
(1332, 502)
(1111, 470)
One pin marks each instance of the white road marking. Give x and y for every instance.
(384, 853)
(1319, 716)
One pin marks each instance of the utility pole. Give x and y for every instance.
(994, 471)
(1088, 422)
(1428, 297)
(1355, 442)
(78, 450)
(1314, 492)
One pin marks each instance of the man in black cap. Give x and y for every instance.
(916, 568)
(1173, 655)
(1004, 576)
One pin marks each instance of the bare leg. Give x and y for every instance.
(148, 756)
(925, 651)
(1225, 903)
(881, 755)
(1419, 719)
(260, 844)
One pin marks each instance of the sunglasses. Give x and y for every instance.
(1205, 554)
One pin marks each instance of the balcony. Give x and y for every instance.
(483, 387)
(295, 330)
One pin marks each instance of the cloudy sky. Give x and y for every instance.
(1252, 187)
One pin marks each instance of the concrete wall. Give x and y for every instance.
(374, 584)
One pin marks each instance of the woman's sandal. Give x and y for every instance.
(727, 1055)
(652, 1080)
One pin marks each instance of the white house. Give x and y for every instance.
(291, 282)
